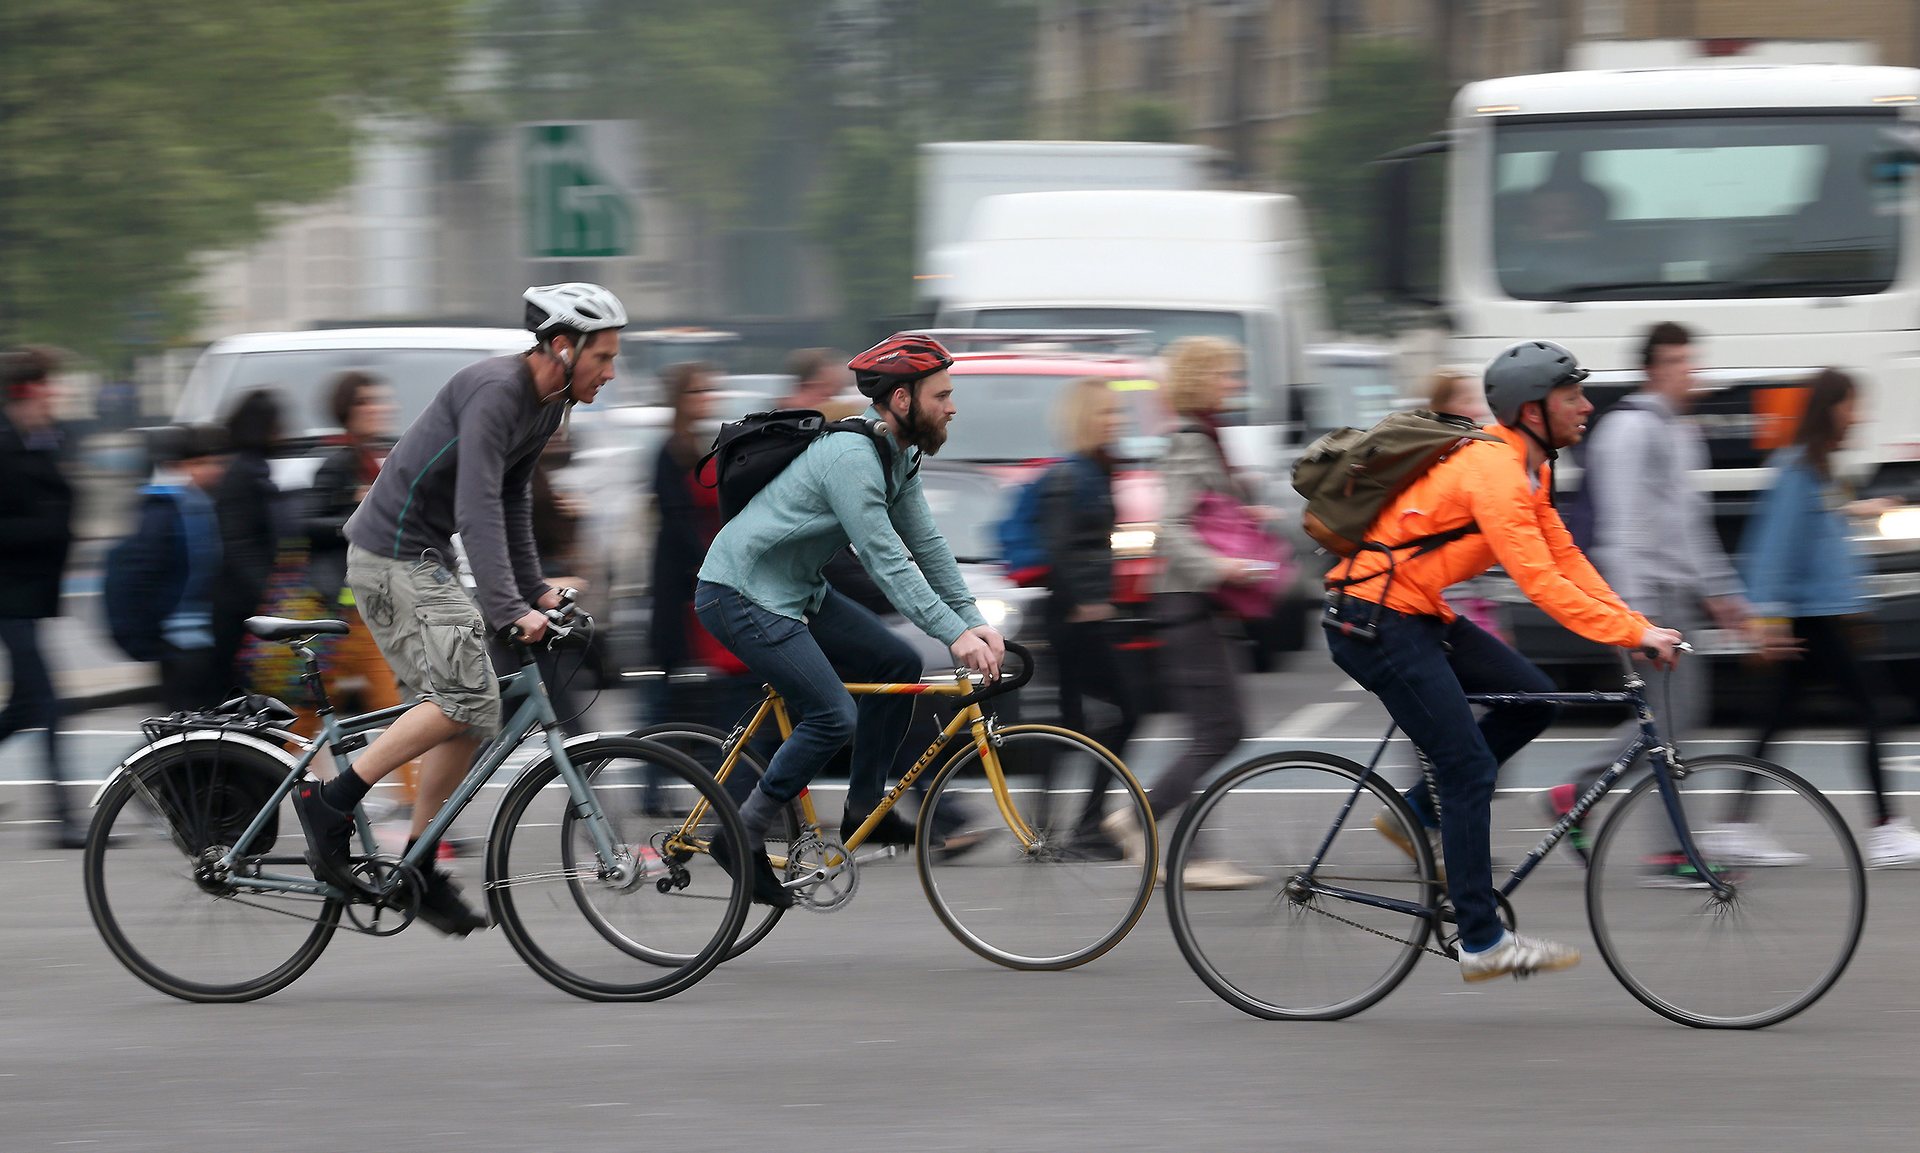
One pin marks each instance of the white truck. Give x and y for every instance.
(956, 175)
(1772, 210)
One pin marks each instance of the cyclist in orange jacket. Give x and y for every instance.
(1488, 502)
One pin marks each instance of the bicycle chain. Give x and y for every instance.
(1380, 933)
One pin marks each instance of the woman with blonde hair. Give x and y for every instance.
(1196, 665)
(1077, 521)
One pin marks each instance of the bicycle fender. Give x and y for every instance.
(145, 751)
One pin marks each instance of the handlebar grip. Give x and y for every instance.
(1005, 684)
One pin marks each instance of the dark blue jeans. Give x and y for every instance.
(1422, 668)
(805, 661)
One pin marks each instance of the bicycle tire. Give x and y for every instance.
(1629, 856)
(687, 927)
(786, 826)
(1245, 944)
(1107, 896)
(173, 803)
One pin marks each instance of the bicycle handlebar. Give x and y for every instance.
(1626, 661)
(563, 624)
(1005, 684)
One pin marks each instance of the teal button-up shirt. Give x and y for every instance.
(833, 493)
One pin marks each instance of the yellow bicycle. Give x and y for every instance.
(1011, 854)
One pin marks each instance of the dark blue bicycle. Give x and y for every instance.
(1343, 916)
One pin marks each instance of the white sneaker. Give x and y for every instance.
(1519, 956)
(1745, 843)
(1123, 830)
(1893, 844)
(1386, 826)
(1216, 876)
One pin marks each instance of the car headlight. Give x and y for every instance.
(1002, 616)
(1900, 523)
(1132, 541)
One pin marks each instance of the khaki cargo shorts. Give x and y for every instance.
(431, 633)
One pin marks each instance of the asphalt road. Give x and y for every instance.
(871, 1028)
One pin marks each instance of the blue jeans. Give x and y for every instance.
(805, 661)
(1422, 668)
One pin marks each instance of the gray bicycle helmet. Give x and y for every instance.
(1525, 372)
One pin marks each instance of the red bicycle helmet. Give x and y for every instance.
(897, 362)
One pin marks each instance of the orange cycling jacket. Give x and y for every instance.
(1485, 483)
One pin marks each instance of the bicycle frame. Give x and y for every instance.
(972, 717)
(1662, 757)
(523, 695)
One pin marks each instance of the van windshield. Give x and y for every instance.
(304, 381)
(1710, 206)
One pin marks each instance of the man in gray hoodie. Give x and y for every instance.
(465, 466)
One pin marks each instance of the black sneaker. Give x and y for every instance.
(893, 829)
(329, 837)
(442, 907)
(767, 889)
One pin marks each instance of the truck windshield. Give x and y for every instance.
(1716, 206)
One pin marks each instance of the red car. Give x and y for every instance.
(1009, 402)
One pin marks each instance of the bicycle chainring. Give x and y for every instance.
(399, 885)
(831, 893)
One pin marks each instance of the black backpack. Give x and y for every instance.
(751, 451)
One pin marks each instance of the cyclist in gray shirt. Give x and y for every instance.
(464, 466)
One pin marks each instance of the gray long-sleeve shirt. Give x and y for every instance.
(1653, 526)
(466, 466)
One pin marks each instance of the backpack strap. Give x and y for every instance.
(1421, 546)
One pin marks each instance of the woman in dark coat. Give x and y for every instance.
(36, 515)
(246, 502)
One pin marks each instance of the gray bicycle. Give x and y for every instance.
(196, 875)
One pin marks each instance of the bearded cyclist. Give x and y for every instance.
(1395, 635)
(464, 466)
(761, 594)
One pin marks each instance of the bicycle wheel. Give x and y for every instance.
(147, 870)
(1279, 949)
(1756, 956)
(648, 927)
(703, 744)
(1059, 897)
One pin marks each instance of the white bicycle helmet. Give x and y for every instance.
(578, 306)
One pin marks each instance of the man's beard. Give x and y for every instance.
(922, 434)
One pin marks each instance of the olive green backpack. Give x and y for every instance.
(1350, 475)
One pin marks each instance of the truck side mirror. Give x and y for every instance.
(1408, 204)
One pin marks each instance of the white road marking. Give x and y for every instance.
(1309, 719)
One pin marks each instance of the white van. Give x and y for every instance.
(613, 445)
(1233, 264)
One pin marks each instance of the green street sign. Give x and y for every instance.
(576, 205)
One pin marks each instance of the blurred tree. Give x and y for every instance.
(135, 136)
(1381, 95)
(1149, 119)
